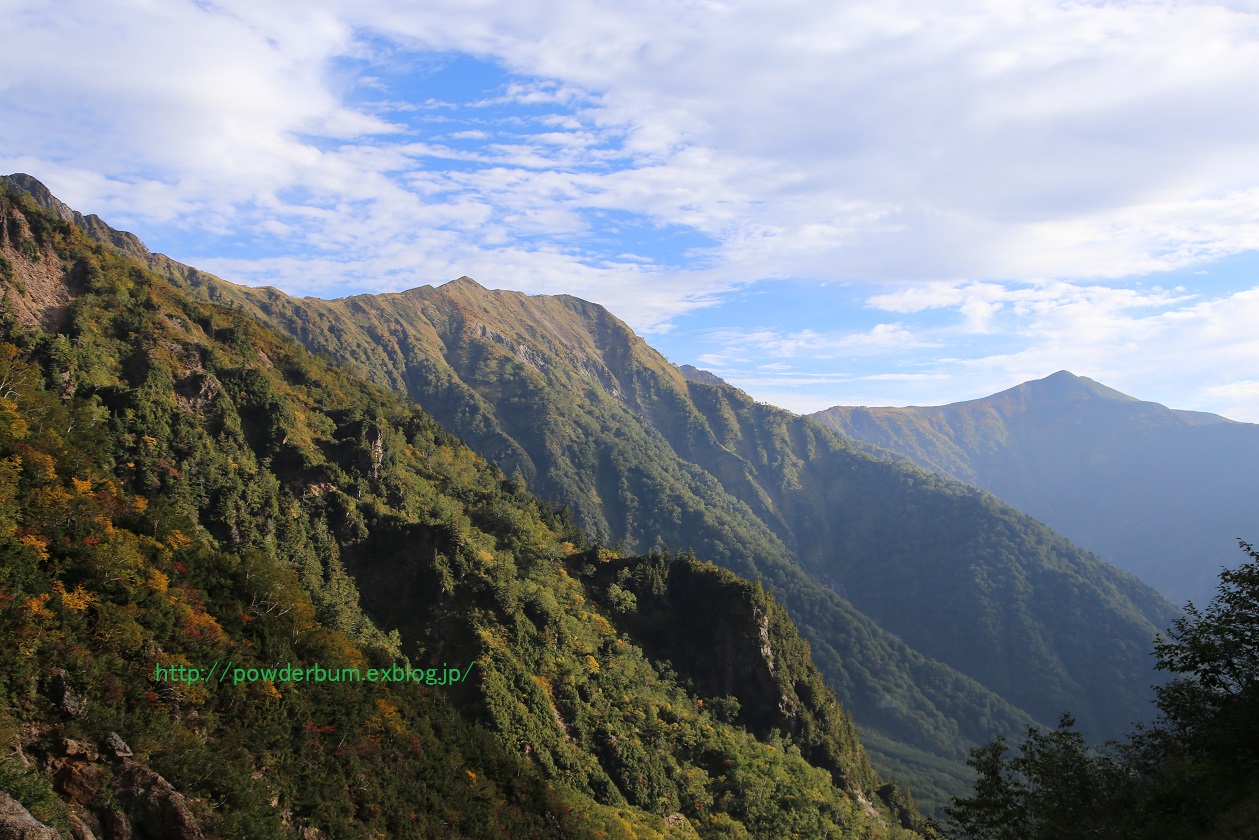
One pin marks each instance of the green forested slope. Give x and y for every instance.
(571, 443)
(1192, 775)
(559, 392)
(1159, 492)
(563, 392)
(180, 487)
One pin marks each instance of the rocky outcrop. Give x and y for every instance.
(60, 691)
(16, 823)
(151, 808)
(157, 809)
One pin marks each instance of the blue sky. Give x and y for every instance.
(823, 202)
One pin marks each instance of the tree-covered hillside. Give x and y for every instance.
(878, 562)
(918, 717)
(1193, 775)
(1159, 492)
(182, 488)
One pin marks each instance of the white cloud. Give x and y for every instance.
(1165, 346)
(879, 339)
(996, 139)
(959, 154)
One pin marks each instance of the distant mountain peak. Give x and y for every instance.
(464, 282)
(704, 377)
(1064, 382)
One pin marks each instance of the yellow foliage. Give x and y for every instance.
(53, 497)
(36, 544)
(592, 665)
(268, 688)
(81, 486)
(485, 557)
(11, 423)
(78, 600)
(491, 639)
(203, 625)
(389, 713)
(343, 651)
(158, 581)
(140, 503)
(41, 466)
(37, 606)
(175, 540)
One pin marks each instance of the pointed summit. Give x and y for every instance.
(128, 243)
(464, 282)
(704, 377)
(1065, 383)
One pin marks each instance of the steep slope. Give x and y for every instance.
(577, 444)
(182, 487)
(1161, 493)
(564, 393)
(559, 392)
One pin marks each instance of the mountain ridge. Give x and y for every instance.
(559, 392)
(1069, 451)
(183, 486)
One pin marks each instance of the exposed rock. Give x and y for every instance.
(75, 749)
(116, 825)
(197, 388)
(156, 807)
(16, 823)
(86, 827)
(703, 377)
(60, 692)
(116, 747)
(128, 243)
(77, 780)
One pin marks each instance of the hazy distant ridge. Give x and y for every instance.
(1162, 493)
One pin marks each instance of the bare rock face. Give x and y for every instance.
(71, 703)
(116, 747)
(77, 781)
(144, 805)
(16, 823)
(85, 827)
(156, 808)
(116, 826)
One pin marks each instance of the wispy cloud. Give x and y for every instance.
(881, 338)
(991, 140)
(986, 161)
